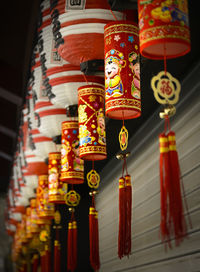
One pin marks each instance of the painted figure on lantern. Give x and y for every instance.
(135, 68)
(114, 62)
(101, 127)
(53, 180)
(77, 163)
(84, 135)
(65, 149)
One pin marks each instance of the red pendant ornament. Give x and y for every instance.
(122, 70)
(92, 135)
(44, 208)
(57, 189)
(163, 26)
(72, 167)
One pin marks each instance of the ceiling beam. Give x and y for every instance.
(6, 156)
(7, 131)
(13, 98)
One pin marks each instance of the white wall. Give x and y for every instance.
(148, 253)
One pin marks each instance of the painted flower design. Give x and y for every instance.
(117, 38)
(130, 39)
(122, 45)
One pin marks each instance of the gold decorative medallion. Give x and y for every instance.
(44, 235)
(93, 179)
(123, 138)
(72, 198)
(166, 88)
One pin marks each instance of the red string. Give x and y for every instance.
(92, 165)
(165, 60)
(113, 15)
(85, 78)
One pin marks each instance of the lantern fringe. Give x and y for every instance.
(72, 244)
(125, 214)
(47, 259)
(94, 237)
(35, 262)
(172, 212)
(42, 261)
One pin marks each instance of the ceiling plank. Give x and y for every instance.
(6, 156)
(7, 131)
(13, 98)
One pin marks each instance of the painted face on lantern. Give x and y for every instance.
(111, 69)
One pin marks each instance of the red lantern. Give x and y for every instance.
(164, 28)
(78, 28)
(44, 208)
(122, 70)
(72, 167)
(57, 189)
(92, 136)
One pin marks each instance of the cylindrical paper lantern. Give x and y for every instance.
(72, 167)
(122, 70)
(29, 234)
(164, 28)
(92, 135)
(44, 208)
(33, 217)
(50, 118)
(78, 28)
(57, 189)
(66, 80)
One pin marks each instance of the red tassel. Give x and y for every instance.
(176, 206)
(164, 185)
(128, 199)
(122, 218)
(72, 245)
(56, 256)
(94, 239)
(35, 263)
(172, 215)
(47, 259)
(42, 260)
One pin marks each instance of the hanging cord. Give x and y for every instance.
(85, 78)
(167, 124)
(113, 14)
(165, 60)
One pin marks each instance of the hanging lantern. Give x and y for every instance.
(57, 189)
(34, 228)
(29, 234)
(122, 70)
(65, 81)
(50, 118)
(44, 208)
(164, 28)
(72, 167)
(78, 28)
(92, 136)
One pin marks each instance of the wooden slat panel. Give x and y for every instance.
(147, 251)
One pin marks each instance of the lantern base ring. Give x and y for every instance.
(168, 111)
(122, 156)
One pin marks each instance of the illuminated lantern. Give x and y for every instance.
(92, 135)
(163, 28)
(78, 28)
(44, 208)
(57, 189)
(72, 167)
(122, 70)
(66, 80)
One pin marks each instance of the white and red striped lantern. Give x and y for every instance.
(66, 80)
(78, 28)
(50, 118)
